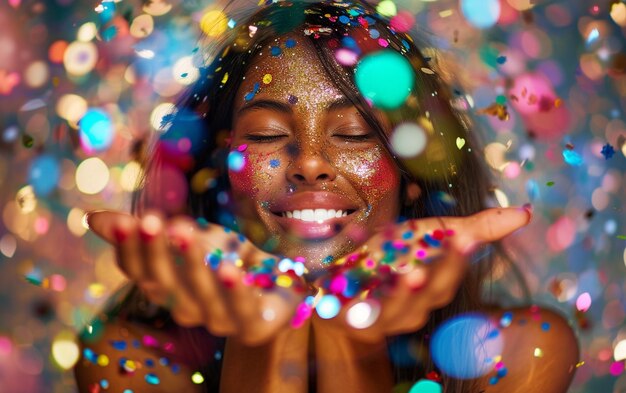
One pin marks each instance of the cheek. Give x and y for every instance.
(372, 172)
(385, 177)
(252, 180)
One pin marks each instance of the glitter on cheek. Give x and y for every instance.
(256, 175)
(359, 165)
(385, 175)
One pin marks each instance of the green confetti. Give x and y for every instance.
(621, 237)
(550, 183)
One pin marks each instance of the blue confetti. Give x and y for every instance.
(275, 51)
(90, 355)
(152, 379)
(44, 174)
(328, 307)
(236, 161)
(290, 43)
(274, 163)
(572, 158)
(119, 345)
(607, 151)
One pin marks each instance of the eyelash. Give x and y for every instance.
(264, 138)
(274, 138)
(355, 138)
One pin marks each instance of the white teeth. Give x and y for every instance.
(320, 215)
(317, 215)
(308, 215)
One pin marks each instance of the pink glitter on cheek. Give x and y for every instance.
(241, 180)
(255, 176)
(385, 175)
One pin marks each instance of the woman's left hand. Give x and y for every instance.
(411, 269)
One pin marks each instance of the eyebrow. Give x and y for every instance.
(283, 107)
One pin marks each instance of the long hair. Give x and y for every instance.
(453, 182)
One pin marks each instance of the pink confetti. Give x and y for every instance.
(583, 302)
(150, 341)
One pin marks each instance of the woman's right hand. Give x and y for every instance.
(169, 261)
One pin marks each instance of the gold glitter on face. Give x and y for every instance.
(306, 147)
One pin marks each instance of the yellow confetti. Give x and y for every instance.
(267, 79)
(197, 378)
(284, 281)
(538, 353)
(225, 78)
(103, 360)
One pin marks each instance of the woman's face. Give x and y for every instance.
(317, 180)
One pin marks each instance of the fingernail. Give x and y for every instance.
(180, 242)
(416, 279)
(529, 209)
(228, 282)
(120, 234)
(149, 227)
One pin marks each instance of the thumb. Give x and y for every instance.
(105, 223)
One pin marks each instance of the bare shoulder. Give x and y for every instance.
(126, 357)
(540, 351)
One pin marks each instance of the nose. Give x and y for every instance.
(310, 167)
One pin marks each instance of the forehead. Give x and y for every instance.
(288, 69)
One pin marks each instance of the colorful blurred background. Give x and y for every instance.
(546, 80)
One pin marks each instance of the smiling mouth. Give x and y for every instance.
(315, 215)
(314, 224)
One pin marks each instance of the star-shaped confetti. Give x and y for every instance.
(607, 151)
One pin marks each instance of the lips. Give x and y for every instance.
(313, 215)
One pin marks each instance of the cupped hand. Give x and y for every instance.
(399, 276)
(205, 275)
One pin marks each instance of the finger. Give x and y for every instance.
(239, 297)
(103, 223)
(128, 247)
(158, 267)
(394, 316)
(446, 277)
(201, 280)
(486, 226)
(277, 307)
(157, 258)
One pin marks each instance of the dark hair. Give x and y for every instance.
(453, 182)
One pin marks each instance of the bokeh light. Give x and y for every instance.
(481, 13)
(543, 84)
(384, 77)
(44, 174)
(92, 175)
(328, 307)
(80, 58)
(466, 346)
(95, 130)
(408, 140)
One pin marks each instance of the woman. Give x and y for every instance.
(292, 176)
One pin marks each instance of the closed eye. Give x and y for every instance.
(264, 138)
(355, 138)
